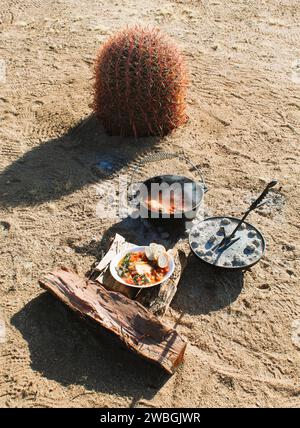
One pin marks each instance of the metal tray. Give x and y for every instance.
(236, 249)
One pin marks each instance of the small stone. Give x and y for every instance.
(4, 228)
(289, 247)
(225, 221)
(249, 249)
(21, 23)
(28, 265)
(50, 208)
(212, 240)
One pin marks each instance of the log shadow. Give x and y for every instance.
(204, 289)
(61, 166)
(71, 351)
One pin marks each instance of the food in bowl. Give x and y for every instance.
(144, 267)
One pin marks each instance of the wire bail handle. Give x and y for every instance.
(160, 156)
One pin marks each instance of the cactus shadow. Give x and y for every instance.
(62, 165)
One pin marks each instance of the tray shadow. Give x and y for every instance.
(204, 289)
(70, 351)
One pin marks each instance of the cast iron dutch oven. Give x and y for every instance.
(189, 191)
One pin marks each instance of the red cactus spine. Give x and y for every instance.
(140, 84)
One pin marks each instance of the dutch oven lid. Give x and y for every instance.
(244, 250)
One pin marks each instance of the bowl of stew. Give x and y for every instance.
(131, 267)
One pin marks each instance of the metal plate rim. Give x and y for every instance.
(229, 267)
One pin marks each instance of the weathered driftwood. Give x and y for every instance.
(167, 290)
(158, 298)
(137, 327)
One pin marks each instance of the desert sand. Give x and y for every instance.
(243, 130)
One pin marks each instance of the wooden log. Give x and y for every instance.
(135, 326)
(168, 289)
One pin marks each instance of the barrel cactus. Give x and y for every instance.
(140, 84)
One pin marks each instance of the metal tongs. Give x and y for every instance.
(228, 240)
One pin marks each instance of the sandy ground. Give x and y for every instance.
(244, 127)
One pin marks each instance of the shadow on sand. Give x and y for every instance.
(204, 289)
(136, 230)
(70, 351)
(62, 347)
(63, 165)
